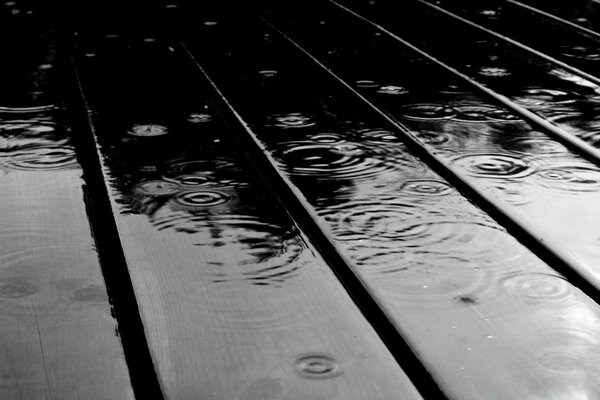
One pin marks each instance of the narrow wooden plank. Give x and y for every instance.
(235, 301)
(58, 339)
(474, 303)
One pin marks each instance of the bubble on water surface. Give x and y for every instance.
(327, 138)
(199, 118)
(494, 72)
(392, 90)
(148, 130)
(201, 198)
(570, 178)
(366, 84)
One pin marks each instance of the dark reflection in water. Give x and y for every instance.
(173, 164)
(468, 296)
(489, 145)
(585, 13)
(569, 101)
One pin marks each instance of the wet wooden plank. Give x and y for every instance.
(58, 339)
(571, 231)
(236, 302)
(486, 317)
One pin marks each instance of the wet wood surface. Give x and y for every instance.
(59, 338)
(235, 300)
(383, 213)
(318, 200)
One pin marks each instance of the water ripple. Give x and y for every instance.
(495, 165)
(292, 120)
(344, 160)
(481, 113)
(427, 111)
(538, 287)
(570, 177)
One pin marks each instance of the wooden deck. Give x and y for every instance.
(304, 200)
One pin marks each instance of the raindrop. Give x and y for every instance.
(495, 166)
(427, 187)
(268, 73)
(292, 120)
(327, 138)
(148, 130)
(156, 188)
(318, 366)
(489, 13)
(366, 84)
(345, 160)
(427, 111)
(581, 52)
(394, 90)
(199, 118)
(494, 72)
(201, 199)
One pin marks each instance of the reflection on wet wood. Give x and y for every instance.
(489, 319)
(235, 301)
(58, 337)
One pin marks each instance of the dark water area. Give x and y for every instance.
(557, 40)
(242, 295)
(488, 145)
(567, 100)
(585, 13)
(472, 301)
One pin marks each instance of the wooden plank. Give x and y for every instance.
(58, 338)
(570, 196)
(235, 300)
(480, 310)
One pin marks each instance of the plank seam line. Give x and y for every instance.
(525, 232)
(578, 145)
(143, 376)
(288, 193)
(556, 18)
(515, 43)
